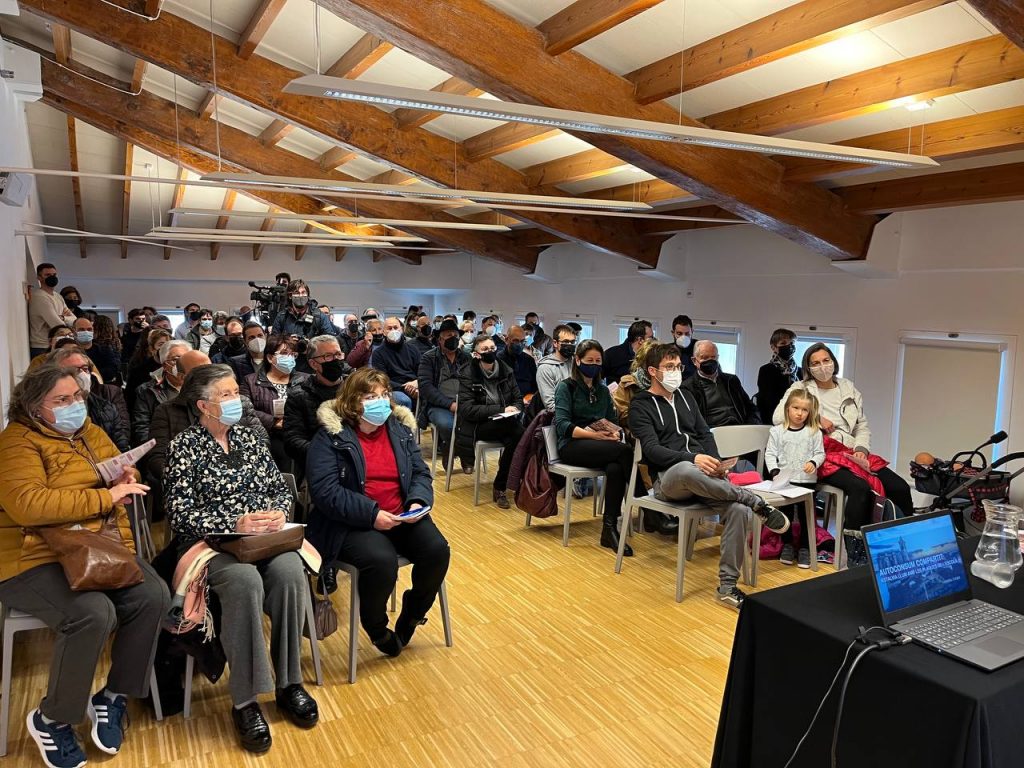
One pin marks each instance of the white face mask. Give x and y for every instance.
(684, 341)
(257, 345)
(394, 336)
(84, 381)
(467, 338)
(823, 372)
(671, 380)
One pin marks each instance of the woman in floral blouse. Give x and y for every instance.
(221, 478)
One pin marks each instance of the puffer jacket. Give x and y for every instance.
(474, 408)
(258, 388)
(51, 479)
(336, 472)
(105, 415)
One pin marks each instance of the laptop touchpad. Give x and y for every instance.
(1000, 646)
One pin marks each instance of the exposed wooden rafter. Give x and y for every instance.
(654, 191)
(222, 221)
(334, 157)
(406, 118)
(366, 52)
(952, 70)
(176, 199)
(588, 164)
(505, 138)
(62, 52)
(791, 30)
(184, 49)
(339, 252)
(585, 19)
(300, 250)
(138, 75)
(258, 26)
(274, 132)
(1005, 15)
(126, 196)
(266, 226)
(995, 184)
(208, 104)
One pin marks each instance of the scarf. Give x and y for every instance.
(788, 367)
(641, 378)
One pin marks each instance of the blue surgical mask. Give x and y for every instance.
(68, 419)
(285, 363)
(499, 328)
(221, 329)
(230, 412)
(206, 324)
(83, 337)
(529, 340)
(376, 412)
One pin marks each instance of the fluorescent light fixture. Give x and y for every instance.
(341, 236)
(568, 120)
(52, 230)
(331, 187)
(245, 240)
(412, 223)
(919, 106)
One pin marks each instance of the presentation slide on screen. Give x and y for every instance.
(916, 563)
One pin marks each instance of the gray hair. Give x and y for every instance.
(325, 338)
(200, 381)
(30, 392)
(60, 356)
(703, 343)
(158, 318)
(165, 350)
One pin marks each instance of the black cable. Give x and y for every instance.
(842, 695)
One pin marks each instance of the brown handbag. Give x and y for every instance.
(325, 618)
(253, 548)
(93, 561)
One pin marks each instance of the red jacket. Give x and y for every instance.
(837, 456)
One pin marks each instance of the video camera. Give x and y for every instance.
(268, 302)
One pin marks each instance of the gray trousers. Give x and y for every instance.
(277, 587)
(684, 481)
(83, 621)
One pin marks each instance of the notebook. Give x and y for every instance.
(923, 591)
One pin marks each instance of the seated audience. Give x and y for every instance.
(163, 387)
(541, 342)
(423, 337)
(529, 345)
(776, 376)
(202, 336)
(300, 422)
(618, 358)
(252, 359)
(365, 347)
(365, 470)
(351, 334)
(221, 478)
(491, 326)
(468, 328)
(588, 435)
(193, 313)
(268, 390)
(682, 332)
(145, 362)
(681, 455)
(400, 360)
(48, 450)
(487, 389)
(58, 334)
(557, 366)
(438, 377)
(231, 344)
(842, 417)
(103, 413)
(520, 361)
(720, 396)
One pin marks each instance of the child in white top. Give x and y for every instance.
(796, 445)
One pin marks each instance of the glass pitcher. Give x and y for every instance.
(998, 555)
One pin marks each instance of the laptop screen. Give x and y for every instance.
(916, 565)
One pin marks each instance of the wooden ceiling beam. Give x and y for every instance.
(586, 19)
(334, 157)
(589, 164)
(955, 69)
(266, 226)
(971, 136)
(274, 132)
(363, 54)
(148, 121)
(1005, 15)
(61, 43)
(222, 221)
(406, 118)
(184, 49)
(536, 238)
(503, 139)
(138, 75)
(393, 177)
(300, 250)
(176, 200)
(791, 30)
(126, 196)
(652, 192)
(994, 184)
(207, 105)
(339, 252)
(62, 52)
(478, 43)
(258, 26)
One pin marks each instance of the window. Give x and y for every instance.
(726, 337)
(622, 327)
(338, 316)
(176, 316)
(836, 343)
(520, 317)
(587, 321)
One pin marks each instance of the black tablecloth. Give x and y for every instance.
(906, 706)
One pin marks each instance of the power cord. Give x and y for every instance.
(893, 639)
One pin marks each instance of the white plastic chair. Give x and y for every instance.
(570, 473)
(353, 613)
(838, 497)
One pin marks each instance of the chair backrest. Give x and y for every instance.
(550, 443)
(294, 488)
(638, 456)
(742, 439)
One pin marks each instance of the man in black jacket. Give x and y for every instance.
(400, 360)
(438, 377)
(300, 421)
(720, 396)
(486, 392)
(152, 393)
(681, 454)
(617, 359)
(351, 334)
(423, 341)
(302, 318)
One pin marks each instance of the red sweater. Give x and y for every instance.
(381, 470)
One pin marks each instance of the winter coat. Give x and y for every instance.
(336, 473)
(51, 479)
(529, 445)
(837, 456)
(400, 362)
(257, 387)
(772, 384)
(148, 397)
(104, 415)
(243, 365)
(300, 419)
(525, 369)
(741, 402)
(473, 406)
(429, 378)
(669, 432)
(617, 361)
(851, 425)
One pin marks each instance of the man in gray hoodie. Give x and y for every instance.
(557, 366)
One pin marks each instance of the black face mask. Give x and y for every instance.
(194, 316)
(567, 349)
(488, 357)
(378, 338)
(709, 367)
(73, 303)
(786, 351)
(353, 328)
(235, 342)
(51, 281)
(426, 330)
(451, 343)
(332, 370)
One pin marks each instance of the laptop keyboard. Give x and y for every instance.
(964, 625)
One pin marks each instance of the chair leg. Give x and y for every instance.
(752, 553)
(811, 520)
(681, 548)
(314, 647)
(451, 461)
(478, 461)
(154, 691)
(433, 454)
(568, 512)
(839, 561)
(691, 534)
(353, 626)
(623, 535)
(446, 619)
(5, 704)
(190, 664)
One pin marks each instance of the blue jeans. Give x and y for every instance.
(401, 398)
(443, 421)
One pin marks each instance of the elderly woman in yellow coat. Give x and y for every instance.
(49, 452)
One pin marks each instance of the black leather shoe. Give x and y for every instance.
(404, 630)
(610, 539)
(252, 727)
(329, 580)
(388, 644)
(298, 705)
(660, 522)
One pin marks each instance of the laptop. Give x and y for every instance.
(923, 591)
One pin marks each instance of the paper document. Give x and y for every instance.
(504, 415)
(279, 407)
(785, 489)
(414, 514)
(111, 469)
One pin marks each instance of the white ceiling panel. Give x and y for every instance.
(530, 12)
(292, 39)
(976, 15)
(994, 97)
(621, 178)
(397, 67)
(460, 128)
(751, 10)
(560, 145)
(164, 84)
(932, 30)
(717, 97)
(229, 16)
(304, 143)
(363, 168)
(241, 116)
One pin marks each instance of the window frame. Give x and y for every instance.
(701, 328)
(621, 325)
(584, 320)
(830, 333)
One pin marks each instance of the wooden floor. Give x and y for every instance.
(557, 661)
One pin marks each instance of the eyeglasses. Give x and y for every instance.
(82, 368)
(57, 402)
(329, 358)
(671, 368)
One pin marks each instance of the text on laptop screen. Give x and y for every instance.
(916, 562)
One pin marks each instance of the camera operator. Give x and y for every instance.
(301, 319)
